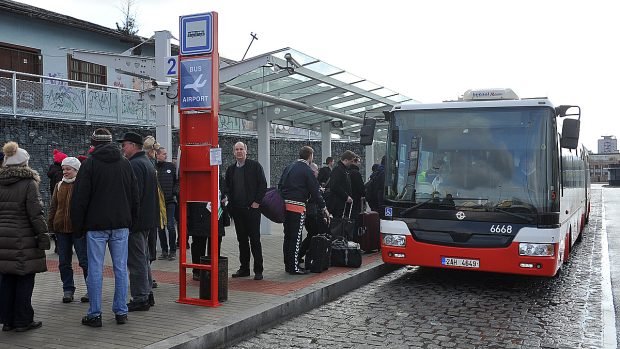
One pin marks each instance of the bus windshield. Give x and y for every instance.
(476, 159)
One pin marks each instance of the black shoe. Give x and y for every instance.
(172, 256)
(6, 328)
(154, 284)
(151, 299)
(121, 319)
(258, 276)
(138, 306)
(241, 273)
(67, 297)
(33, 325)
(85, 298)
(164, 255)
(94, 321)
(300, 271)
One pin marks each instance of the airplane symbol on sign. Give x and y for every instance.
(197, 84)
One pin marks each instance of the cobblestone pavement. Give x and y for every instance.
(431, 308)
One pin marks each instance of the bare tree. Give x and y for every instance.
(128, 25)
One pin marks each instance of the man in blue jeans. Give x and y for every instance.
(104, 205)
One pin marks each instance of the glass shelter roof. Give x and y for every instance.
(294, 89)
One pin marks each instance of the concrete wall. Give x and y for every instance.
(40, 137)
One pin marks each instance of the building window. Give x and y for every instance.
(20, 59)
(87, 72)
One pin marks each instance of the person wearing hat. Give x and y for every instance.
(104, 205)
(151, 147)
(23, 237)
(54, 173)
(138, 259)
(59, 220)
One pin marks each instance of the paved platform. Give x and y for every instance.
(251, 306)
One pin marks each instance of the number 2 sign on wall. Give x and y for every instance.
(172, 63)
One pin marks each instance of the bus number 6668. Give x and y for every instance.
(501, 229)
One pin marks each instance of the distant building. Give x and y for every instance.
(608, 145)
(599, 163)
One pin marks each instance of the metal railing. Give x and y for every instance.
(31, 95)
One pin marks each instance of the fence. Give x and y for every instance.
(23, 94)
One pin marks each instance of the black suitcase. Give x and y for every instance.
(346, 253)
(318, 257)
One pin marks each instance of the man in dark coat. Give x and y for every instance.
(376, 187)
(358, 191)
(340, 185)
(138, 257)
(325, 171)
(104, 205)
(246, 183)
(169, 183)
(298, 185)
(23, 239)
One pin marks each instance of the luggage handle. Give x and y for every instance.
(345, 210)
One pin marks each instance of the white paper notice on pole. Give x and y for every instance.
(215, 156)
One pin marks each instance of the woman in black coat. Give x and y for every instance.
(23, 239)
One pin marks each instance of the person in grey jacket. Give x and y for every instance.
(23, 239)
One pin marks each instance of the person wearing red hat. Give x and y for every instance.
(54, 173)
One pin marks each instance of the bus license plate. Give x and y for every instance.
(460, 262)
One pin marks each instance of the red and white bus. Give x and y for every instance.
(484, 183)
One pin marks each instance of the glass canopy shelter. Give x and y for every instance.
(290, 88)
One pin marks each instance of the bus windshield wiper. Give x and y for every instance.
(405, 212)
(525, 218)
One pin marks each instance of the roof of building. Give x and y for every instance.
(45, 15)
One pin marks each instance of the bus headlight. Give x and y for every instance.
(394, 240)
(529, 249)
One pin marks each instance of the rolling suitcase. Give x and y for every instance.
(318, 257)
(368, 235)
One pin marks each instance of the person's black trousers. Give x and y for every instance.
(152, 244)
(293, 228)
(247, 227)
(16, 300)
(201, 246)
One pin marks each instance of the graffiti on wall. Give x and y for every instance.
(64, 99)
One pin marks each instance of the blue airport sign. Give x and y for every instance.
(196, 32)
(195, 84)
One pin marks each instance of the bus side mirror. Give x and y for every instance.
(570, 134)
(367, 133)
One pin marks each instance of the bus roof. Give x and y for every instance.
(534, 102)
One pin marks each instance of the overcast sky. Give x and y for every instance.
(427, 50)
